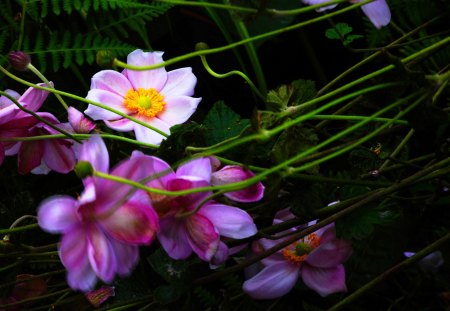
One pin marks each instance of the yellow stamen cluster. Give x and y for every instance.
(144, 102)
(298, 251)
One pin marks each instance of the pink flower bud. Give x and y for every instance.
(79, 122)
(19, 60)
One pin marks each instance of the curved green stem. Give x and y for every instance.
(230, 73)
(19, 229)
(245, 41)
(44, 79)
(397, 149)
(356, 118)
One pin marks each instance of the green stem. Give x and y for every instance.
(245, 41)
(386, 274)
(41, 297)
(34, 114)
(44, 79)
(230, 73)
(356, 118)
(397, 150)
(253, 56)
(14, 264)
(363, 202)
(19, 229)
(80, 136)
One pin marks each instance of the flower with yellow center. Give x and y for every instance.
(317, 260)
(157, 97)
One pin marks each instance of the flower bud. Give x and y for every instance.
(201, 46)
(19, 60)
(84, 169)
(105, 58)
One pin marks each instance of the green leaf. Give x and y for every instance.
(166, 294)
(340, 31)
(223, 123)
(169, 269)
(294, 94)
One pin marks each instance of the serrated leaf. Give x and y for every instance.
(223, 123)
(169, 269)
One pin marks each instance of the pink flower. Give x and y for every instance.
(377, 11)
(201, 231)
(101, 230)
(79, 122)
(316, 258)
(13, 121)
(157, 97)
(235, 173)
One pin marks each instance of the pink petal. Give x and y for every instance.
(132, 223)
(173, 238)
(200, 167)
(58, 214)
(127, 257)
(330, 254)
(272, 282)
(30, 155)
(220, 256)
(230, 221)
(313, 2)
(179, 82)
(327, 233)
(94, 151)
(189, 201)
(149, 136)
(58, 156)
(2, 153)
(73, 256)
(106, 98)
(179, 109)
(5, 101)
(146, 79)
(111, 81)
(324, 281)
(8, 113)
(158, 172)
(79, 122)
(202, 236)
(101, 254)
(33, 98)
(234, 173)
(378, 12)
(121, 125)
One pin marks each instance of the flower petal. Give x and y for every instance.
(132, 223)
(234, 173)
(378, 13)
(272, 282)
(200, 167)
(180, 82)
(314, 2)
(30, 156)
(179, 109)
(101, 253)
(330, 254)
(72, 252)
(58, 155)
(94, 151)
(111, 81)
(324, 281)
(127, 257)
(230, 221)
(173, 238)
(202, 236)
(121, 125)
(149, 136)
(155, 78)
(33, 99)
(106, 98)
(58, 214)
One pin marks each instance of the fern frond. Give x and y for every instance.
(79, 48)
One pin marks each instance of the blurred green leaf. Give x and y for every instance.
(223, 123)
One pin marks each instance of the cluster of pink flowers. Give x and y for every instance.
(102, 229)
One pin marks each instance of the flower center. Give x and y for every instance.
(298, 251)
(144, 102)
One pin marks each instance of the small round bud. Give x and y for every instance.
(19, 60)
(105, 58)
(84, 169)
(201, 46)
